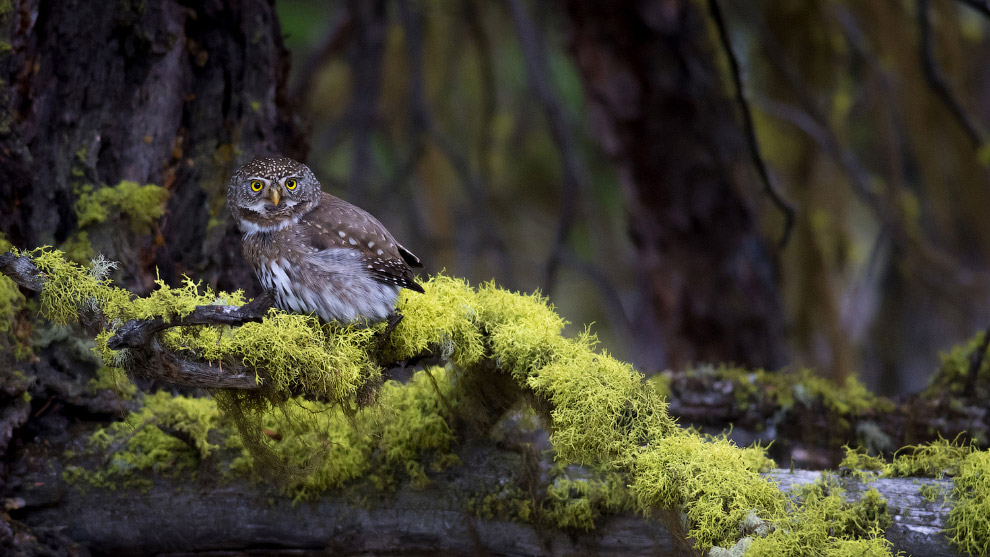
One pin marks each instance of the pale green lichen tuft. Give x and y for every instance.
(140, 205)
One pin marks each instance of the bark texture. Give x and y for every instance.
(662, 111)
(164, 92)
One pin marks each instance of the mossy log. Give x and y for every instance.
(183, 517)
(422, 458)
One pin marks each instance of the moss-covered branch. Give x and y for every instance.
(500, 348)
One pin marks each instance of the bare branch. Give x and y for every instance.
(982, 6)
(22, 271)
(775, 195)
(937, 81)
(575, 176)
(337, 36)
(139, 332)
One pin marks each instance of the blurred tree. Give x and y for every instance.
(661, 110)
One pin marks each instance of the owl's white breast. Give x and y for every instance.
(334, 285)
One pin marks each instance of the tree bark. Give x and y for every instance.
(164, 92)
(661, 110)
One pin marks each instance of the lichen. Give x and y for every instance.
(968, 525)
(602, 413)
(578, 504)
(115, 379)
(78, 248)
(167, 436)
(821, 521)
(140, 205)
(936, 459)
(952, 377)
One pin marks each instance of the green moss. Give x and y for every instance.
(578, 504)
(860, 464)
(821, 521)
(785, 389)
(930, 492)
(967, 527)
(78, 248)
(602, 412)
(141, 205)
(953, 374)
(507, 503)
(114, 379)
(936, 459)
(11, 302)
(140, 445)
(710, 481)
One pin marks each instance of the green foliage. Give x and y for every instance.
(821, 522)
(936, 459)
(968, 526)
(602, 411)
(140, 444)
(141, 205)
(953, 373)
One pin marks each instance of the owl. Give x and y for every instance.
(315, 252)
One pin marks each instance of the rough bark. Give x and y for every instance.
(662, 111)
(163, 92)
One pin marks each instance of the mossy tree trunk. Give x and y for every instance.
(93, 94)
(158, 92)
(662, 110)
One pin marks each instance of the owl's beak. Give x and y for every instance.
(275, 196)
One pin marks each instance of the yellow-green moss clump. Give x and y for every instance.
(785, 389)
(140, 444)
(821, 522)
(953, 378)
(602, 412)
(140, 205)
(968, 525)
(320, 445)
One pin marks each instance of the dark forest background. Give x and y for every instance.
(770, 184)
(599, 152)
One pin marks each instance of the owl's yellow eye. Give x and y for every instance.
(256, 185)
(290, 184)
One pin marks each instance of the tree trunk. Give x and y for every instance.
(661, 110)
(162, 92)
(96, 93)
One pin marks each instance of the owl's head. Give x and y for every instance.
(268, 193)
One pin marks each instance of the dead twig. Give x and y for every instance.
(937, 81)
(778, 199)
(575, 175)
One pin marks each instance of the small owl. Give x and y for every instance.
(313, 251)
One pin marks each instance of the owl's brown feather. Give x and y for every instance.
(335, 223)
(316, 252)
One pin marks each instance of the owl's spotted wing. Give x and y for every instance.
(336, 224)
